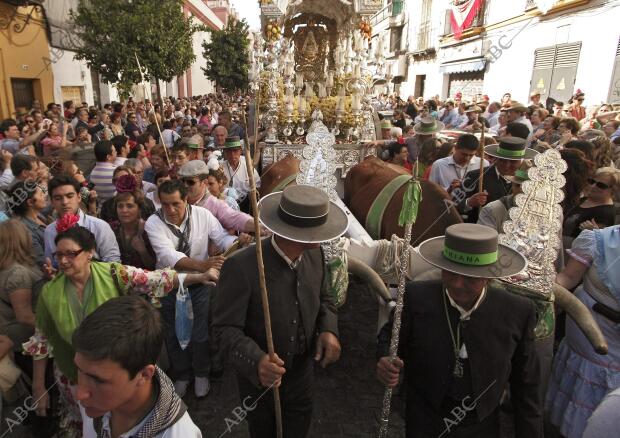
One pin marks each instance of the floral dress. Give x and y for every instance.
(60, 312)
(581, 378)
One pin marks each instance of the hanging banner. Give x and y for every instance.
(462, 15)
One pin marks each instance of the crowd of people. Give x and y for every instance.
(114, 218)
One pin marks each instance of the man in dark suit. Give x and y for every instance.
(303, 315)
(508, 154)
(463, 340)
(82, 116)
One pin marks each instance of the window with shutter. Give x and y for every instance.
(614, 86)
(565, 71)
(555, 70)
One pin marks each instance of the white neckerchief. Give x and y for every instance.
(291, 264)
(465, 314)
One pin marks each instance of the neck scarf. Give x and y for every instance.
(168, 409)
(183, 245)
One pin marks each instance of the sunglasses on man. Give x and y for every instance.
(190, 182)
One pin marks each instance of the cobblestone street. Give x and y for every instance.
(348, 397)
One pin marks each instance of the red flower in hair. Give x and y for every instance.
(132, 144)
(401, 140)
(125, 184)
(67, 222)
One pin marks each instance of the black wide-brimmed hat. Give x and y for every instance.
(472, 250)
(510, 148)
(303, 214)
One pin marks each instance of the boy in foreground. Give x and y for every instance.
(119, 385)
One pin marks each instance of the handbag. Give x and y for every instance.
(184, 314)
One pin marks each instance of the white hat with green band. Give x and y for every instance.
(472, 250)
(510, 148)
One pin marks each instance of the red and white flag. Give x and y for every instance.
(463, 14)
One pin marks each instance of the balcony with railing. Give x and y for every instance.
(393, 11)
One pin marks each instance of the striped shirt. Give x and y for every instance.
(101, 177)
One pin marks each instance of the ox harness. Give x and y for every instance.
(374, 217)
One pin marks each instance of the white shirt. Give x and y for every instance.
(492, 118)
(107, 246)
(445, 170)
(240, 178)
(184, 428)
(526, 122)
(204, 226)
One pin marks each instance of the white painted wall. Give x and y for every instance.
(71, 73)
(200, 83)
(596, 28)
(595, 25)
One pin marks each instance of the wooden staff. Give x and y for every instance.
(261, 266)
(153, 110)
(481, 153)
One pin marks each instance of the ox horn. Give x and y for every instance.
(357, 267)
(582, 316)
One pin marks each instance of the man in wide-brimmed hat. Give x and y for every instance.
(508, 154)
(426, 128)
(495, 213)
(236, 171)
(535, 99)
(516, 113)
(303, 314)
(463, 340)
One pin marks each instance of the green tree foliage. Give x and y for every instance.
(113, 32)
(227, 56)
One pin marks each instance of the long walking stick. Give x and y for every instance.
(407, 218)
(261, 269)
(153, 110)
(481, 153)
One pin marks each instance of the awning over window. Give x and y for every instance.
(477, 64)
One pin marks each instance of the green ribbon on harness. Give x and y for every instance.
(285, 182)
(411, 203)
(374, 217)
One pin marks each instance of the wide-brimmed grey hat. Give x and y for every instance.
(428, 126)
(192, 169)
(303, 214)
(472, 250)
(510, 148)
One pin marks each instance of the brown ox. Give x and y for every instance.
(365, 181)
(278, 175)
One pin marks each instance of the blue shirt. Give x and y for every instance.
(107, 247)
(450, 118)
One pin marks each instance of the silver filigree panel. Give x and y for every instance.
(535, 223)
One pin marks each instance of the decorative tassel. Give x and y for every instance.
(411, 203)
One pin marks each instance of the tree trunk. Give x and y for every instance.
(158, 92)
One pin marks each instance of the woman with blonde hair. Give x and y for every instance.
(20, 283)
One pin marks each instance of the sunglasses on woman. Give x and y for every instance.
(598, 184)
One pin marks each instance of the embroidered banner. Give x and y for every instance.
(463, 14)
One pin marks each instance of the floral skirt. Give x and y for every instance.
(70, 419)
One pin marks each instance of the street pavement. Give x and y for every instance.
(348, 397)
